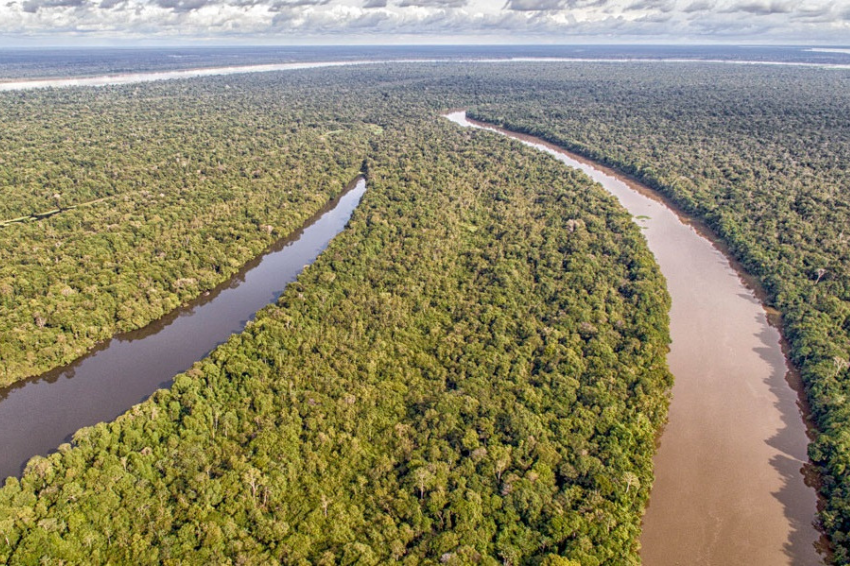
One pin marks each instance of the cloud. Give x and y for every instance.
(698, 6)
(657, 18)
(779, 21)
(762, 8)
(298, 3)
(183, 5)
(433, 3)
(278, 5)
(535, 5)
(814, 13)
(33, 6)
(281, 5)
(550, 5)
(661, 5)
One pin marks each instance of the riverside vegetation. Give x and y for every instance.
(763, 157)
(178, 190)
(474, 369)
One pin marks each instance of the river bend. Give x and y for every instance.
(729, 485)
(729, 488)
(39, 414)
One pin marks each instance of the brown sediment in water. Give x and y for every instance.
(733, 480)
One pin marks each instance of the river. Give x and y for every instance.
(132, 78)
(39, 414)
(730, 486)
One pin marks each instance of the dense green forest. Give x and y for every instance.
(150, 201)
(763, 156)
(474, 371)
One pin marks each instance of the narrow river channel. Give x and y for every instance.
(729, 488)
(39, 414)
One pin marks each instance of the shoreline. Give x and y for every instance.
(791, 377)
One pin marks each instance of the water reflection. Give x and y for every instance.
(39, 414)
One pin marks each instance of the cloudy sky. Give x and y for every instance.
(820, 22)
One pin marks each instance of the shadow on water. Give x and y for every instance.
(38, 414)
(793, 462)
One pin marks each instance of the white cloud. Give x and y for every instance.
(382, 20)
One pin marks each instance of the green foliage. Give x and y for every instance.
(762, 156)
(466, 375)
(161, 198)
(473, 371)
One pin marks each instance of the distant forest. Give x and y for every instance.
(24, 64)
(472, 372)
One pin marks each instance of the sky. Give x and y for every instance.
(222, 22)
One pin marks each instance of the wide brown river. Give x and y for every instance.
(730, 486)
(39, 414)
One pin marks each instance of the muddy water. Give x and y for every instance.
(729, 486)
(37, 415)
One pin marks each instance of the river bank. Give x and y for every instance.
(731, 466)
(38, 414)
